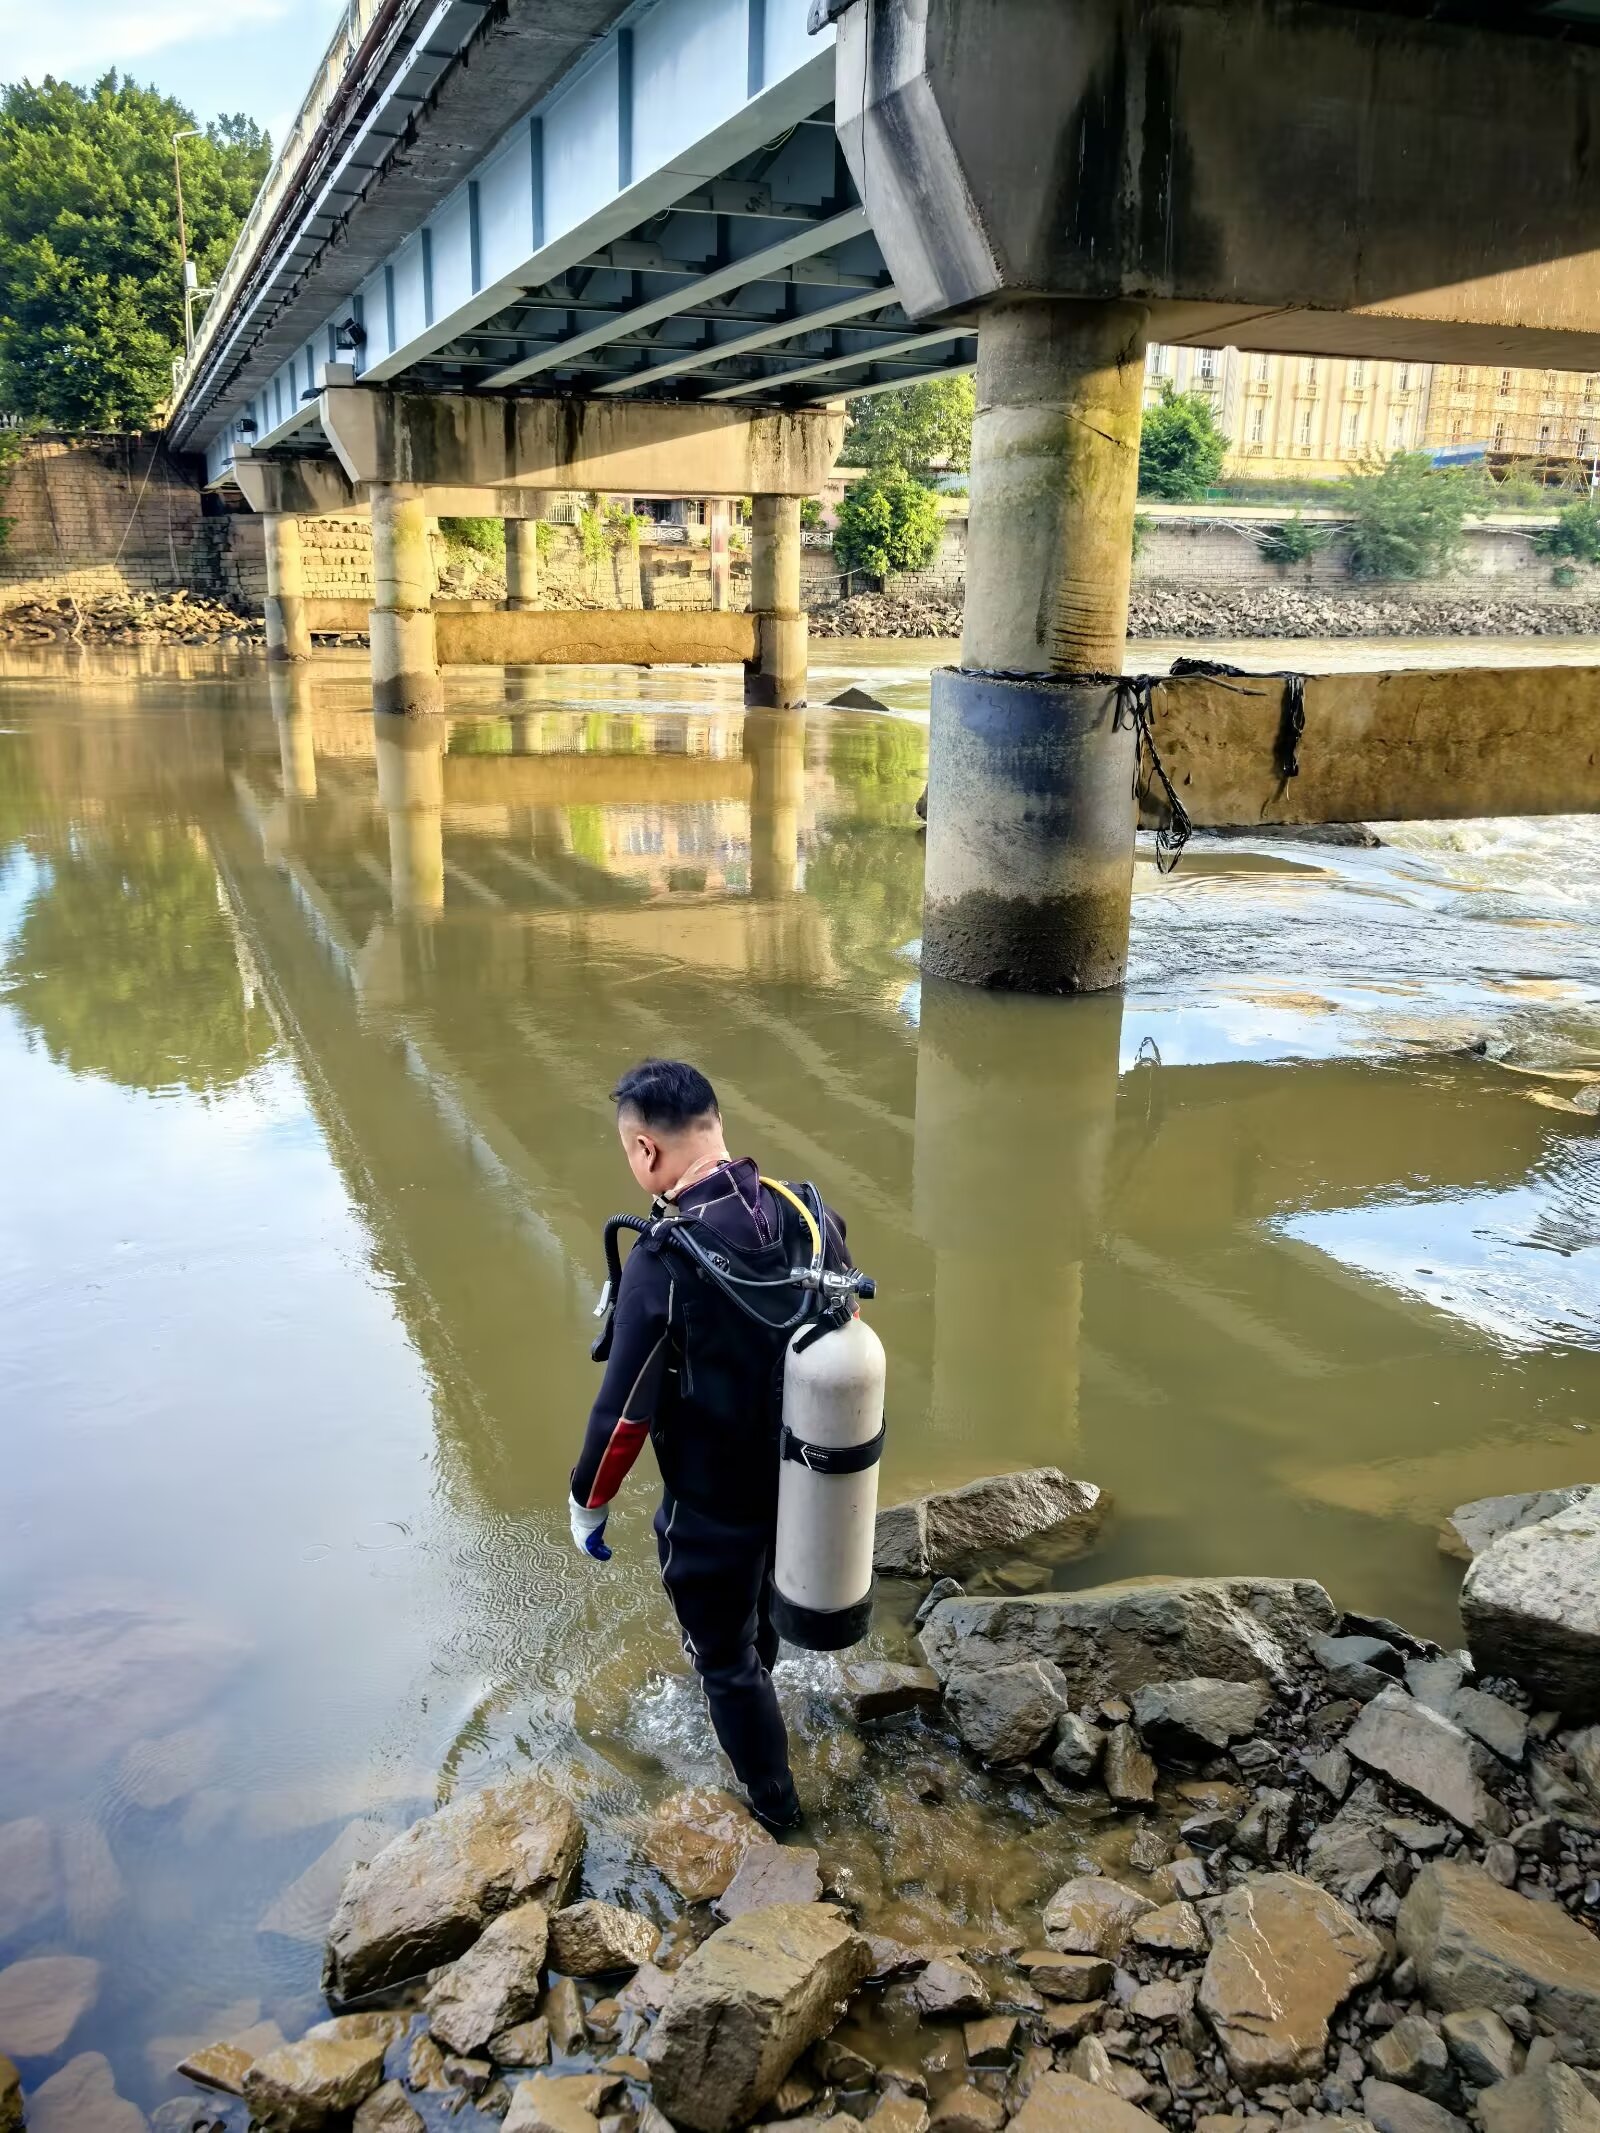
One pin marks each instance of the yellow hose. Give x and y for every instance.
(806, 1215)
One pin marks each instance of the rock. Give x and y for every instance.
(1061, 2103)
(771, 1873)
(1476, 1944)
(1498, 1724)
(1127, 1773)
(388, 2110)
(697, 1838)
(1429, 1756)
(1395, 2110)
(156, 1773)
(496, 1983)
(1553, 2099)
(1413, 2054)
(425, 2064)
(29, 1889)
(1077, 1749)
(562, 2008)
(1168, 1999)
(1067, 1977)
(1285, 1955)
(1112, 1639)
(1531, 1605)
(92, 1881)
(82, 2098)
(899, 2114)
(1006, 1714)
(1196, 1718)
(745, 2005)
(1481, 2045)
(223, 2065)
(42, 2001)
(1066, 2026)
(990, 2040)
(1090, 1915)
(949, 1987)
(942, 1534)
(940, 1589)
(968, 2110)
(1329, 1768)
(524, 2044)
(302, 1910)
(462, 2071)
(588, 1939)
(876, 1688)
(300, 2087)
(1183, 1877)
(558, 2103)
(1173, 1929)
(646, 1991)
(11, 2112)
(1475, 1526)
(428, 1895)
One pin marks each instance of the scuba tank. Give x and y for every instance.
(831, 1431)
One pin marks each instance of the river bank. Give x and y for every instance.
(1202, 1852)
(1192, 611)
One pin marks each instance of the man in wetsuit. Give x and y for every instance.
(691, 1371)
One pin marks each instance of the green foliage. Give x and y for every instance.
(1406, 516)
(810, 512)
(10, 453)
(1297, 540)
(1181, 449)
(887, 522)
(912, 431)
(1142, 523)
(1575, 534)
(544, 537)
(592, 536)
(1564, 577)
(124, 965)
(624, 528)
(91, 291)
(484, 536)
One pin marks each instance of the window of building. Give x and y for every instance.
(1156, 360)
(1258, 425)
(1208, 363)
(1358, 374)
(1397, 434)
(1455, 429)
(1402, 378)
(1305, 428)
(1552, 384)
(1505, 381)
(1311, 370)
(1583, 438)
(1352, 428)
(1544, 436)
(1263, 368)
(1591, 388)
(1463, 377)
(1499, 436)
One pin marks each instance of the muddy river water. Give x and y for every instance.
(305, 1039)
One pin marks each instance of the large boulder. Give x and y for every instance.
(1006, 1714)
(1090, 1915)
(1061, 2103)
(744, 2007)
(81, 2097)
(772, 1873)
(1551, 2099)
(943, 1534)
(1109, 1640)
(878, 1688)
(1476, 1944)
(1472, 1527)
(1197, 1718)
(1531, 1605)
(1285, 1955)
(1431, 1756)
(495, 1984)
(589, 1939)
(427, 1896)
(697, 1838)
(301, 2087)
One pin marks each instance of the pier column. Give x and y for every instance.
(1029, 873)
(522, 594)
(290, 687)
(288, 634)
(775, 749)
(778, 678)
(405, 661)
(719, 521)
(410, 756)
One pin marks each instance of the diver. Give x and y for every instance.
(696, 1365)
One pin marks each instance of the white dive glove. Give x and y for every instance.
(589, 1529)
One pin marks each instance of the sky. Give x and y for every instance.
(256, 56)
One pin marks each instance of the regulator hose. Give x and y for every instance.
(606, 1308)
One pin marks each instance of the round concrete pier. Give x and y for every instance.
(405, 662)
(288, 632)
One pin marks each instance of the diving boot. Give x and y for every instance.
(777, 1808)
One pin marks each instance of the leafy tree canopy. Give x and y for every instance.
(1575, 534)
(91, 291)
(887, 522)
(1181, 449)
(918, 430)
(1406, 516)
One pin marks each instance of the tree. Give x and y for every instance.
(1575, 535)
(1181, 450)
(91, 291)
(917, 430)
(887, 522)
(1406, 516)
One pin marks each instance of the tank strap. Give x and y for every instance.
(833, 1458)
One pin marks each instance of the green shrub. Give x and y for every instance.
(810, 511)
(1564, 577)
(1295, 541)
(484, 536)
(1575, 534)
(10, 453)
(887, 522)
(1181, 450)
(1406, 516)
(1142, 523)
(544, 537)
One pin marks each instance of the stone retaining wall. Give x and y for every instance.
(92, 516)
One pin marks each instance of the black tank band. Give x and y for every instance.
(833, 1458)
(821, 1629)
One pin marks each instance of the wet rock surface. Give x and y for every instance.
(944, 1534)
(130, 618)
(497, 1983)
(1476, 1944)
(1531, 1605)
(1285, 1955)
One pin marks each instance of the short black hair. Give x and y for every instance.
(668, 1094)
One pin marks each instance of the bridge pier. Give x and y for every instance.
(778, 678)
(522, 594)
(410, 760)
(405, 659)
(1029, 874)
(775, 749)
(288, 633)
(719, 529)
(290, 688)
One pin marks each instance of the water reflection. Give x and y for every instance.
(311, 1025)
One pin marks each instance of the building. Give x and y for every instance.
(1311, 416)
(1551, 416)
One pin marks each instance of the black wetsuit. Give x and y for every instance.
(691, 1372)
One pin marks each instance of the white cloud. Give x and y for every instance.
(91, 35)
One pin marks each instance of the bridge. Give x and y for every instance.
(538, 244)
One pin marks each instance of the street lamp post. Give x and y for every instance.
(189, 133)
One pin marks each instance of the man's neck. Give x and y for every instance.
(699, 1167)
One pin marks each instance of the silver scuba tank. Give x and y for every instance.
(833, 1380)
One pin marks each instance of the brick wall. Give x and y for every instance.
(97, 515)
